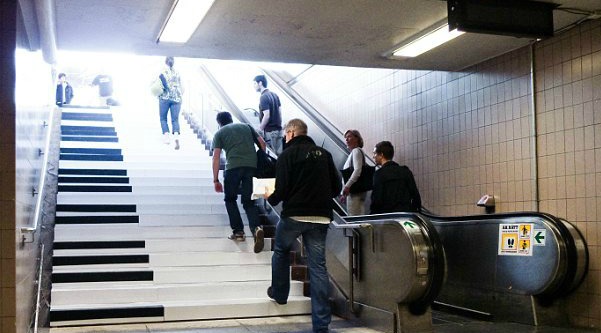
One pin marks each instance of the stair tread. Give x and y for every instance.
(291, 299)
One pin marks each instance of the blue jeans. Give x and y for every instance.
(240, 180)
(273, 139)
(164, 106)
(314, 240)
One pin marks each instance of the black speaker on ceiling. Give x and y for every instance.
(518, 18)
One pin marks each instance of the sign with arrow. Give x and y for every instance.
(540, 236)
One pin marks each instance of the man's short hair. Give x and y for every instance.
(62, 75)
(262, 79)
(386, 149)
(224, 118)
(297, 126)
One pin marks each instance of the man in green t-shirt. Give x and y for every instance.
(237, 140)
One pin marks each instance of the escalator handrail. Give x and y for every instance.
(327, 127)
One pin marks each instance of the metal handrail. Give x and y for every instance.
(31, 230)
(37, 303)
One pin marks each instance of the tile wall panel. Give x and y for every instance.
(469, 133)
(7, 166)
(568, 95)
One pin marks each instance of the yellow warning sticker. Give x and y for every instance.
(524, 247)
(515, 239)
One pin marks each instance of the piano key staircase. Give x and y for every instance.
(141, 236)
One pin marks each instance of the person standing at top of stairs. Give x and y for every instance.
(170, 99)
(241, 162)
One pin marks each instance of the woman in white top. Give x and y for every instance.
(355, 202)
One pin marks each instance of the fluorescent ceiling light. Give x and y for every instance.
(184, 18)
(427, 42)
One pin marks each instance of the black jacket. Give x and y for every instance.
(394, 190)
(59, 94)
(306, 180)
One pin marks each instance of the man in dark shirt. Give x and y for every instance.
(269, 114)
(105, 88)
(394, 186)
(306, 181)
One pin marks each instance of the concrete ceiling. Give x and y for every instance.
(325, 32)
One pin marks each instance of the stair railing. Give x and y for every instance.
(28, 232)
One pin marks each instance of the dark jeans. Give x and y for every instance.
(234, 180)
(314, 240)
(164, 106)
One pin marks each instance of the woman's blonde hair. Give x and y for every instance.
(356, 134)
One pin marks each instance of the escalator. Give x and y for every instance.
(389, 270)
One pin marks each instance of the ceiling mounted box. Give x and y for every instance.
(502, 17)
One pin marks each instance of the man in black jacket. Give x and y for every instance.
(64, 91)
(306, 181)
(394, 186)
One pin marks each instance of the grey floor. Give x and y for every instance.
(442, 323)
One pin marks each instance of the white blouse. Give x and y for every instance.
(355, 159)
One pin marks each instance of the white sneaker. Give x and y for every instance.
(176, 137)
(166, 138)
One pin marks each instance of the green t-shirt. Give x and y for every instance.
(239, 146)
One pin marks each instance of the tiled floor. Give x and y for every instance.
(443, 323)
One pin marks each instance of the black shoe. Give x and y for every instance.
(259, 239)
(270, 294)
(237, 236)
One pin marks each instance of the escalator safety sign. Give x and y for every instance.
(515, 239)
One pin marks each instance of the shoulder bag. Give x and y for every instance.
(265, 163)
(366, 179)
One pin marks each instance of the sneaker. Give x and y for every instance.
(237, 236)
(259, 240)
(270, 294)
(176, 137)
(166, 138)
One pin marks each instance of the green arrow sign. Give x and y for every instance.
(540, 237)
(409, 224)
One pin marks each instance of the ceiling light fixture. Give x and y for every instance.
(183, 19)
(426, 42)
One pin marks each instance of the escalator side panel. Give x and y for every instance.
(480, 266)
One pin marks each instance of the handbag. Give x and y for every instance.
(265, 163)
(158, 86)
(366, 179)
